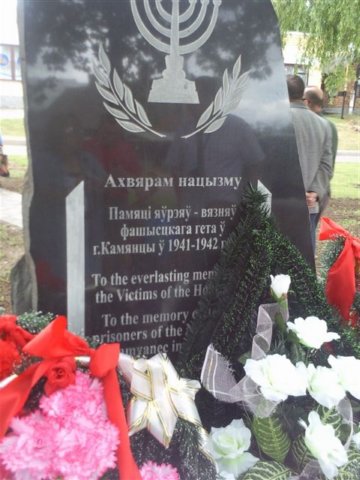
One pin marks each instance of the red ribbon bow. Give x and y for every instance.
(340, 284)
(55, 343)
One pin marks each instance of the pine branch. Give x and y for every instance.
(221, 289)
(183, 452)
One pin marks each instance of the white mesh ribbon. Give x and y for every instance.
(312, 471)
(160, 396)
(346, 411)
(218, 379)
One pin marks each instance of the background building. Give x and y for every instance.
(345, 101)
(296, 63)
(11, 91)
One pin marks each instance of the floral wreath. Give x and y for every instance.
(62, 413)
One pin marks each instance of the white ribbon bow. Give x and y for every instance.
(160, 397)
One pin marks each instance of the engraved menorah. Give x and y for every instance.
(176, 26)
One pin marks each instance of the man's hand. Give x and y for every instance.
(311, 199)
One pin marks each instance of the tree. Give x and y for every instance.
(332, 34)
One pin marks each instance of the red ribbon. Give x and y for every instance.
(340, 284)
(56, 342)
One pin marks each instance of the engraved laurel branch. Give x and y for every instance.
(129, 113)
(226, 99)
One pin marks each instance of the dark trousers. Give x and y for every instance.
(314, 219)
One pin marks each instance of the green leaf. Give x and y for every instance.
(300, 453)
(330, 417)
(351, 471)
(271, 437)
(267, 471)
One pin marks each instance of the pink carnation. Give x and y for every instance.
(70, 436)
(152, 471)
(5, 474)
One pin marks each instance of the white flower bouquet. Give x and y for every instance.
(300, 414)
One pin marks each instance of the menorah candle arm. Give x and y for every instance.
(191, 47)
(183, 16)
(197, 22)
(153, 20)
(149, 37)
(175, 39)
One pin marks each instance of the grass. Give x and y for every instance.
(344, 207)
(346, 181)
(12, 127)
(348, 131)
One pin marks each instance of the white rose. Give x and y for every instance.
(225, 475)
(322, 442)
(228, 446)
(280, 285)
(324, 386)
(277, 377)
(312, 332)
(348, 372)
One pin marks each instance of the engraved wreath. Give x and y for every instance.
(131, 115)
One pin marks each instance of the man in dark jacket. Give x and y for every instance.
(313, 139)
(313, 99)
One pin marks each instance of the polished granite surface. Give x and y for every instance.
(157, 157)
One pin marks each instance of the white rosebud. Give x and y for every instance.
(277, 377)
(312, 332)
(280, 286)
(322, 442)
(348, 372)
(324, 386)
(228, 447)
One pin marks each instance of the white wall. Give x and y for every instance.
(8, 22)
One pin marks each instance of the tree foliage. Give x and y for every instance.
(332, 33)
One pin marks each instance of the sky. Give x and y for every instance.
(8, 24)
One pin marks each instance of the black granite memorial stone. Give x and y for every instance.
(146, 121)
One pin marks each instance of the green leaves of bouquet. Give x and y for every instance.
(300, 414)
(271, 437)
(268, 471)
